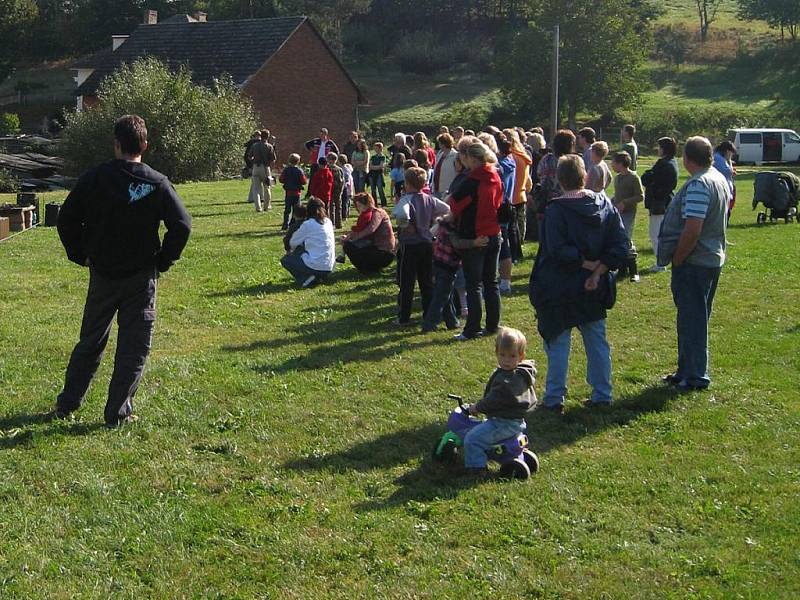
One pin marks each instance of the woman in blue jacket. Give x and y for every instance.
(571, 285)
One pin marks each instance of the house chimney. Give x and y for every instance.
(150, 17)
(117, 41)
(200, 17)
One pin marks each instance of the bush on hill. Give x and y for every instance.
(195, 133)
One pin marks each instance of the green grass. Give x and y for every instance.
(283, 444)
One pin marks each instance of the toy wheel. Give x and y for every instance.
(449, 453)
(516, 469)
(761, 218)
(531, 460)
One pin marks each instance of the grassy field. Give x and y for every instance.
(284, 435)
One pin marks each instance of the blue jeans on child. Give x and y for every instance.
(291, 201)
(598, 364)
(482, 437)
(693, 290)
(441, 306)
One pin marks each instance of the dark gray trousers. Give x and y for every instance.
(133, 301)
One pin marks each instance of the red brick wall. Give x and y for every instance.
(301, 89)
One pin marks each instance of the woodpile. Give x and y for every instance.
(24, 158)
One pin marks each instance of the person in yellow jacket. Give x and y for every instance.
(523, 184)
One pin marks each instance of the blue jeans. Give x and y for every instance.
(291, 201)
(482, 437)
(294, 264)
(598, 364)
(480, 267)
(441, 305)
(693, 290)
(359, 181)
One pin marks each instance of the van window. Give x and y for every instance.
(749, 138)
(791, 138)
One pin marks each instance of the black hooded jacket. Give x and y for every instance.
(575, 229)
(112, 217)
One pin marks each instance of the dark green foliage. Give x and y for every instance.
(422, 53)
(195, 133)
(784, 14)
(602, 51)
(9, 184)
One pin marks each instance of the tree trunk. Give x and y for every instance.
(572, 115)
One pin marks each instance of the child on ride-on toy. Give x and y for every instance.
(508, 395)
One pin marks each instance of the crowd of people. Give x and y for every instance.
(461, 214)
(464, 207)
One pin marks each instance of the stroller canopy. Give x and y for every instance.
(777, 191)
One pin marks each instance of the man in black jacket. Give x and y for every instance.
(109, 223)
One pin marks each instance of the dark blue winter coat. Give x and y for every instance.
(588, 227)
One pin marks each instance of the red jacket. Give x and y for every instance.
(321, 185)
(484, 187)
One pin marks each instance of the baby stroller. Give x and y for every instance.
(779, 193)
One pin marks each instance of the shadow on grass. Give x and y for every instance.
(16, 431)
(547, 432)
(365, 282)
(264, 233)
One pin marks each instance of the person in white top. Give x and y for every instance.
(313, 247)
(445, 171)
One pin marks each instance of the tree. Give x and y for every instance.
(194, 132)
(603, 47)
(777, 13)
(15, 17)
(673, 44)
(707, 11)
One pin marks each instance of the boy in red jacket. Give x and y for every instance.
(321, 185)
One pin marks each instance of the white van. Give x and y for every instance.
(760, 146)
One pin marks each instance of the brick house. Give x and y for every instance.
(296, 82)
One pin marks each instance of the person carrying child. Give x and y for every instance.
(446, 263)
(507, 397)
(416, 214)
(293, 179)
(377, 162)
(321, 185)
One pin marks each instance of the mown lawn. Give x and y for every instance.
(283, 442)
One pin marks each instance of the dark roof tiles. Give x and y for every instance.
(238, 48)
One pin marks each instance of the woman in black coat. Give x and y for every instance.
(659, 184)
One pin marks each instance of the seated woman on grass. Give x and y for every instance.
(313, 247)
(370, 245)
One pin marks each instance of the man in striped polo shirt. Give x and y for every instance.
(693, 240)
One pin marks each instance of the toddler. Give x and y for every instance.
(293, 179)
(508, 395)
(377, 162)
(347, 192)
(398, 175)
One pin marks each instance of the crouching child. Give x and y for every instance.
(508, 395)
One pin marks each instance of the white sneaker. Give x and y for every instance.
(634, 279)
(311, 279)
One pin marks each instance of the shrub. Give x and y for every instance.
(421, 53)
(9, 124)
(9, 184)
(195, 133)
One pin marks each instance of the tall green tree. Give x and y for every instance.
(15, 18)
(602, 50)
(784, 14)
(707, 12)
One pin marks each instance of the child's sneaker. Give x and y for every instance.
(340, 259)
(310, 281)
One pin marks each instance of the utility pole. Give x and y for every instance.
(554, 91)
